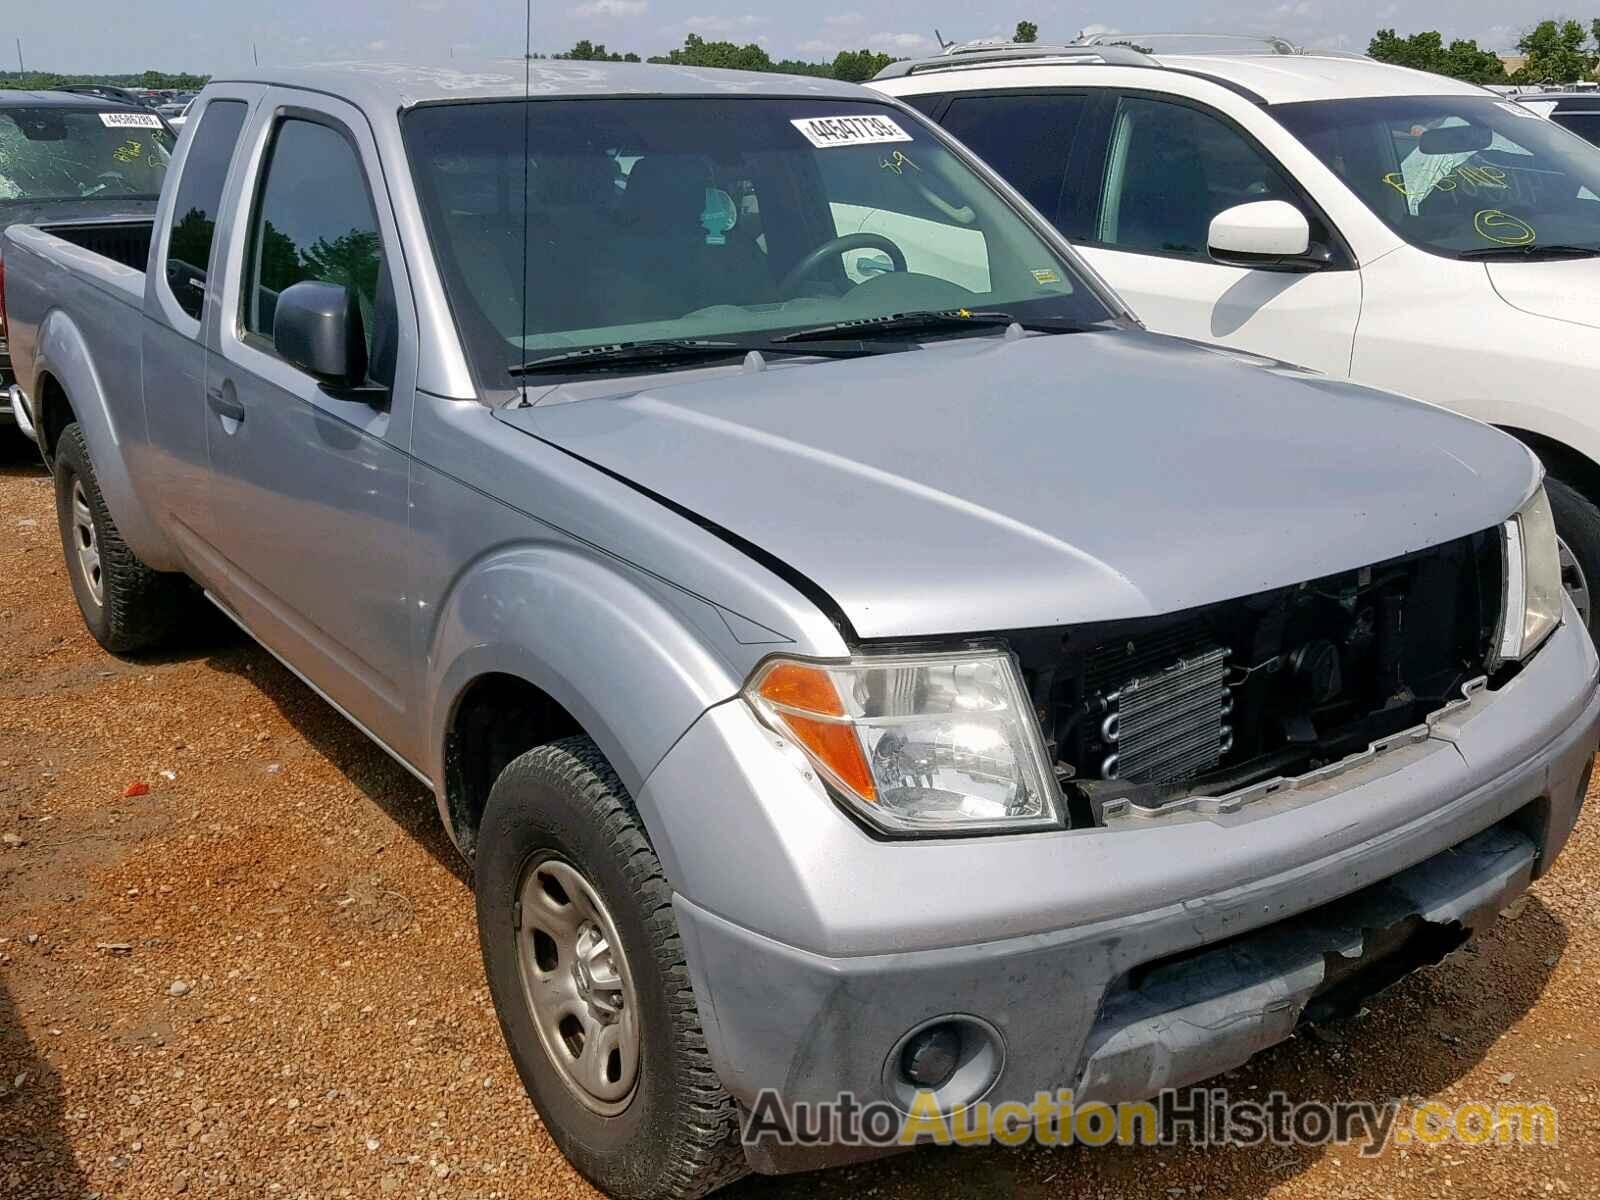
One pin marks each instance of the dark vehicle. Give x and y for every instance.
(1578, 111)
(78, 158)
(110, 91)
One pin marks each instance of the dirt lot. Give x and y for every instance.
(261, 977)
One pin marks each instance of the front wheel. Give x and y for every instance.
(1578, 530)
(586, 967)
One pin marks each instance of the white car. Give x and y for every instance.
(1401, 229)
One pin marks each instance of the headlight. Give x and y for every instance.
(917, 744)
(1534, 594)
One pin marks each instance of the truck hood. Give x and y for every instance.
(1564, 290)
(986, 485)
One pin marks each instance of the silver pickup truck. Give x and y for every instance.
(862, 665)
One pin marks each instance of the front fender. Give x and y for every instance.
(599, 638)
(62, 358)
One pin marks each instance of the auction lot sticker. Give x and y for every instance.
(866, 130)
(130, 120)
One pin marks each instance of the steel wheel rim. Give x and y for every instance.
(1574, 580)
(577, 985)
(86, 541)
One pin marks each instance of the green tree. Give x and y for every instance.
(1027, 31)
(697, 52)
(1558, 52)
(1465, 59)
(796, 66)
(858, 66)
(351, 259)
(1462, 59)
(587, 51)
(278, 258)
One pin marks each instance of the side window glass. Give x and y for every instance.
(314, 220)
(194, 211)
(1028, 139)
(1585, 125)
(1170, 169)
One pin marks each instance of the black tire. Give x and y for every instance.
(678, 1136)
(1578, 525)
(138, 608)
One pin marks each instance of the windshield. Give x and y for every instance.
(1458, 175)
(81, 153)
(563, 224)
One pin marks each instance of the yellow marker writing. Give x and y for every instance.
(1502, 227)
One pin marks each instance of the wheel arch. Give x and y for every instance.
(53, 412)
(539, 642)
(68, 388)
(1566, 463)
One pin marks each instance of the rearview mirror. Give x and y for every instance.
(1456, 139)
(317, 327)
(1267, 233)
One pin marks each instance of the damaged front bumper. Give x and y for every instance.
(1116, 962)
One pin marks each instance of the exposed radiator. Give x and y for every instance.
(1170, 724)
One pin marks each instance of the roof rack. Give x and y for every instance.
(971, 55)
(1271, 43)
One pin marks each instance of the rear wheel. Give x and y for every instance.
(1578, 530)
(126, 605)
(587, 971)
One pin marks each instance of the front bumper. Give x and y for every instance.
(814, 949)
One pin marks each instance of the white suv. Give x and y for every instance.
(1402, 229)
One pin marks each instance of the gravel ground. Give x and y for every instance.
(260, 977)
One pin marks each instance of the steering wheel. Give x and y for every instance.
(832, 249)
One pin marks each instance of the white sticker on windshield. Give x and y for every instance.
(130, 120)
(1517, 110)
(866, 130)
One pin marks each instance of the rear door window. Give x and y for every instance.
(194, 210)
(1026, 137)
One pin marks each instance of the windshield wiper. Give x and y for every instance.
(661, 352)
(932, 322)
(1532, 250)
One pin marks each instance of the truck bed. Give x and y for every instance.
(89, 275)
(125, 242)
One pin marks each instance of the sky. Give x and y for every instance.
(173, 35)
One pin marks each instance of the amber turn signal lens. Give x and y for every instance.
(836, 747)
(796, 685)
(803, 697)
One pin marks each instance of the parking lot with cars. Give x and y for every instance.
(824, 766)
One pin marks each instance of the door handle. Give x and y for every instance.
(220, 403)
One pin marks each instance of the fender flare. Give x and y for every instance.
(62, 357)
(599, 639)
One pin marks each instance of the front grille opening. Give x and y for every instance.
(1277, 683)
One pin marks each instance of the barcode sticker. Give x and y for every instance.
(130, 120)
(865, 130)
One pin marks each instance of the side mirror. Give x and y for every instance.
(1271, 234)
(317, 327)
